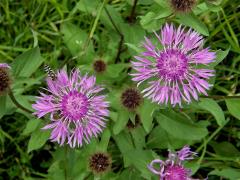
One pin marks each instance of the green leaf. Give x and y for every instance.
(212, 106)
(105, 137)
(2, 105)
(124, 142)
(192, 21)
(225, 149)
(75, 39)
(31, 126)
(88, 6)
(233, 106)
(114, 70)
(220, 56)
(163, 3)
(146, 114)
(140, 159)
(149, 22)
(130, 174)
(115, 16)
(38, 139)
(135, 48)
(133, 34)
(138, 135)
(229, 173)
(27, 63)
(121, 123)
(179, 127)
(161, 139)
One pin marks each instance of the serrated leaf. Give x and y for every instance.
(177, 125)
(27, 63)
(212, 106)
(233, 106)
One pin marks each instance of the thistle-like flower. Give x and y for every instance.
(172, 168)
(4, 78)
(177, 70)
(76, 109)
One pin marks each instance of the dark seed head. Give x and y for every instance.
(183, 5)
(131, 125)
(99, 66)
(100, 162)
(131, 98)
(4, 80)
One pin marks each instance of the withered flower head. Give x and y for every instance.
(100, 162)
(183, 5)
(99, 66)
(131, 98)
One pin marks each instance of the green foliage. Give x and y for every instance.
(74, 34)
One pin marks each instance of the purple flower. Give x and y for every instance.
(4, 65)
(172, 168)
(177, 71)
(76, 109)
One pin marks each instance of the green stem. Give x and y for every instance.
(18, 105)
(211, 137)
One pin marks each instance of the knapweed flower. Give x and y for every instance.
(172, 168)
(4, 78)
(77, 110)
(183, 5)
(100, 162)
(176, 71)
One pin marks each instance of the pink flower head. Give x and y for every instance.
(4, 65)
(172, 168)
(76, 109)
(177, 71)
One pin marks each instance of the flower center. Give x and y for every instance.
(74, 105)
(172, 65)
(176, 173)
